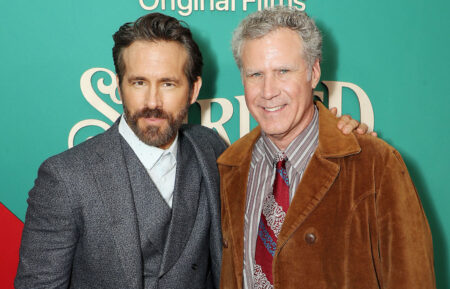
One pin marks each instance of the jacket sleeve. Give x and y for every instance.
(404, 237)
(49, 235)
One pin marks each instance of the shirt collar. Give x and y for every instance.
(148, 155)
(273, 153)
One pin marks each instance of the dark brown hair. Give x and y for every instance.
(158, 27)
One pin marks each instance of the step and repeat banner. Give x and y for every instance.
(384, 62)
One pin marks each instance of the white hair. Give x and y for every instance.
(261, 23)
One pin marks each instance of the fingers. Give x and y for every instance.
(346, 124)
(362, 128)
(343, 121)
(350, 126)
(333, 110)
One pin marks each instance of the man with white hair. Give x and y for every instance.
(304, 206)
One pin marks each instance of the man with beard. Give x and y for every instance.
(96, 219)
(136, 206)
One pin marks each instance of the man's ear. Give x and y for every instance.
(118, 87)
(196, 89)
(315, 73)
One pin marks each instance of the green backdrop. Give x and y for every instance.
(395, 51)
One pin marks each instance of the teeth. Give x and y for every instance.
(273, 108)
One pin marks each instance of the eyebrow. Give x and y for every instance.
(135, 77)
(169, 79)
(163, 79)
(251, 71)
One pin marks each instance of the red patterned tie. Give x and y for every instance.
(273, 213)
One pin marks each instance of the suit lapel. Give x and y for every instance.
(110, 172)
(235, 199)
(206, 152)
(320, 174)
(185, 204)
(235, 165)
(316, 181)
(310, 192)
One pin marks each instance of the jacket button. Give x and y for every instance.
(310, 238)
(194, 266)
(225, 243)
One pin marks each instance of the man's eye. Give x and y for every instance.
(255, 74)
(138, 83)
(168, 84)
(284, 71)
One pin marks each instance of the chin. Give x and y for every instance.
(273, 132)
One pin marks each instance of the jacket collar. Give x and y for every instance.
(240, 153)
(332, 142)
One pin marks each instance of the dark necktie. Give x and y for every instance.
(273, 213)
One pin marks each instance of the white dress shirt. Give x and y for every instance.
(161, 165)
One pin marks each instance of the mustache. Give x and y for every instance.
(147, 112)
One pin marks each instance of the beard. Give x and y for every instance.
(156, 135)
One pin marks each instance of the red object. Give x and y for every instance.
(272, 217)
(10, 235)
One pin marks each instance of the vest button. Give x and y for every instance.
(194, 266)
(310, 238)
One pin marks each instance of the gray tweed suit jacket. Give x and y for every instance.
(81, 227)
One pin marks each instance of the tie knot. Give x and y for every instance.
(281, 160)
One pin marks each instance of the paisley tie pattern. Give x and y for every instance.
(273, 214)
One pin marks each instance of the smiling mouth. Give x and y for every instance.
(272, 109)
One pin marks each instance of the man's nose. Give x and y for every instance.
(153, 98)
(271, 88)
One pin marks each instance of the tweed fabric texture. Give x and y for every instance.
(82, 225)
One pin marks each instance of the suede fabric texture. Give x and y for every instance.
(356, 220)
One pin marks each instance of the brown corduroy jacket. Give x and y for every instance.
(355, 222)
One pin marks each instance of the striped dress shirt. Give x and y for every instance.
(261, 177)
